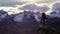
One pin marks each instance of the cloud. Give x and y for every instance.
(28, 6)
(48, 1)
(33, 7)
(37, 1)
(11, 10)
(10, 3)
(56, 6)
(20, 2)
(55, 9)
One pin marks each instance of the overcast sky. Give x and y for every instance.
(19, 2)
(13, 5)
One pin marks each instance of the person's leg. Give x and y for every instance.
(44, 21)
(41, 21)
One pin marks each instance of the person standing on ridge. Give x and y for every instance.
(43, 18)
(41, 28)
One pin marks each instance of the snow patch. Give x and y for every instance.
(18, 18)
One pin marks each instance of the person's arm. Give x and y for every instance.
(46, 17)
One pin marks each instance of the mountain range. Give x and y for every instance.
(23, 22)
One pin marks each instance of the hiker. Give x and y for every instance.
(43, 18)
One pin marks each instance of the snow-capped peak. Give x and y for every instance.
(18, 18)
(54, 14)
